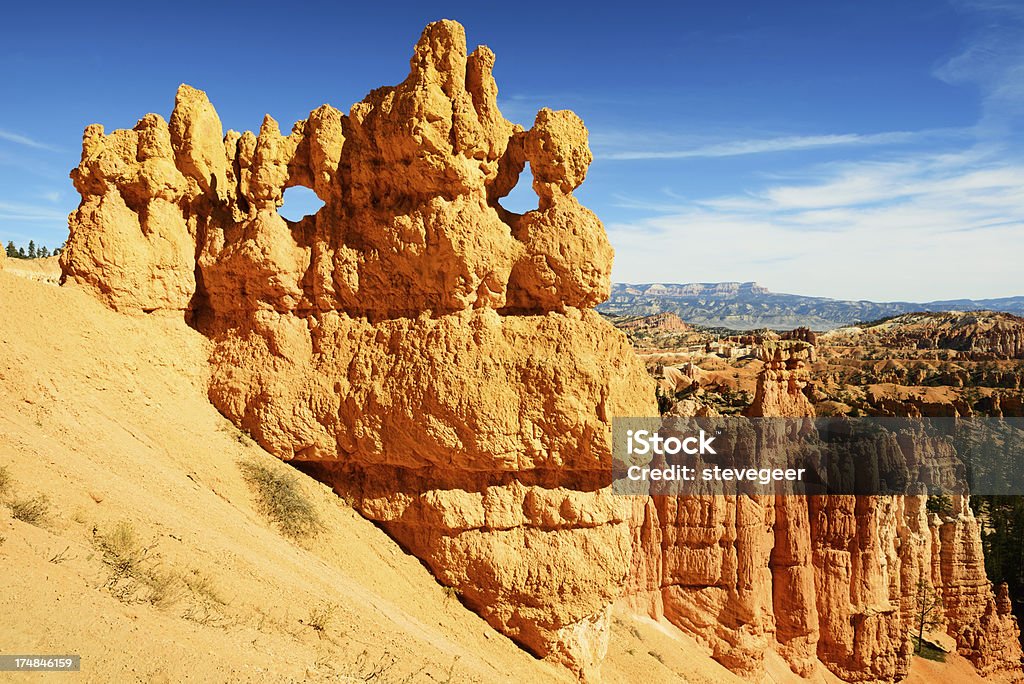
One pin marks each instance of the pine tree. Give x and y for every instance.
(12, 251)
(21, 253)
(44, 252)
(929, 615)
(32, 249)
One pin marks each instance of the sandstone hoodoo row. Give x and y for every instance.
(437, 360)
(180, 216)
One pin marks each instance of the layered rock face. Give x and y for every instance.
(981, 622)
(978, 334)
(436, 360)
(833, 580)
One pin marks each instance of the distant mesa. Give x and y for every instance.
(750, 306)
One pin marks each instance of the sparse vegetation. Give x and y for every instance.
(203, 587)
(280, 498)
(928, 651)
(207, 605)
(370, 670)
(5, 482)
(138, 574)
(629, 627)
(61, 556)
(34, 511)
(321, 617)
(239, 435)
(135, 571)
(165, 585)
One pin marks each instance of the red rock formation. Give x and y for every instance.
(832, 580)
(780, 387)
(978, 333)
(802, 334)
(985, 630)
(662, 322)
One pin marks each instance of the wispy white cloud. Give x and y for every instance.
(786, 143)
(916, 216)
(26, 141)
(992, 60)
(40, 166)
(920, 228)
(16, 211)
(742, 147)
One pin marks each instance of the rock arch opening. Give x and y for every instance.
(298, 203)
(522, 198)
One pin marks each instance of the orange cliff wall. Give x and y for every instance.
(825, 579)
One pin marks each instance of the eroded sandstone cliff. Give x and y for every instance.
(430, 354)
(838, 580)
(435, 358)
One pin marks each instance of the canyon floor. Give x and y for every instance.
(151, 558)
(926, 364)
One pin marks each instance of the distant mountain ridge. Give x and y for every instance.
(749, 306)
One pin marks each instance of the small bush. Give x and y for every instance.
(206, 605)
(321, 617)
(122, 550)
(136, 573)
(165, 586)
(280, 498)
(203, 588)
(5, 482)
(34, 511)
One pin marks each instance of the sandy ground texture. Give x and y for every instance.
(151, 557)
(43, 270)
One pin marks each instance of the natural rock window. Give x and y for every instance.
(522, 198)
(299, 202)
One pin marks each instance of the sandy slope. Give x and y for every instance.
(107, 416)
(43, 270)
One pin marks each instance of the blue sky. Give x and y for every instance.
(853, 150)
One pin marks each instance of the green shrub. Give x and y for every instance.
(280, 498)
(34, 511)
